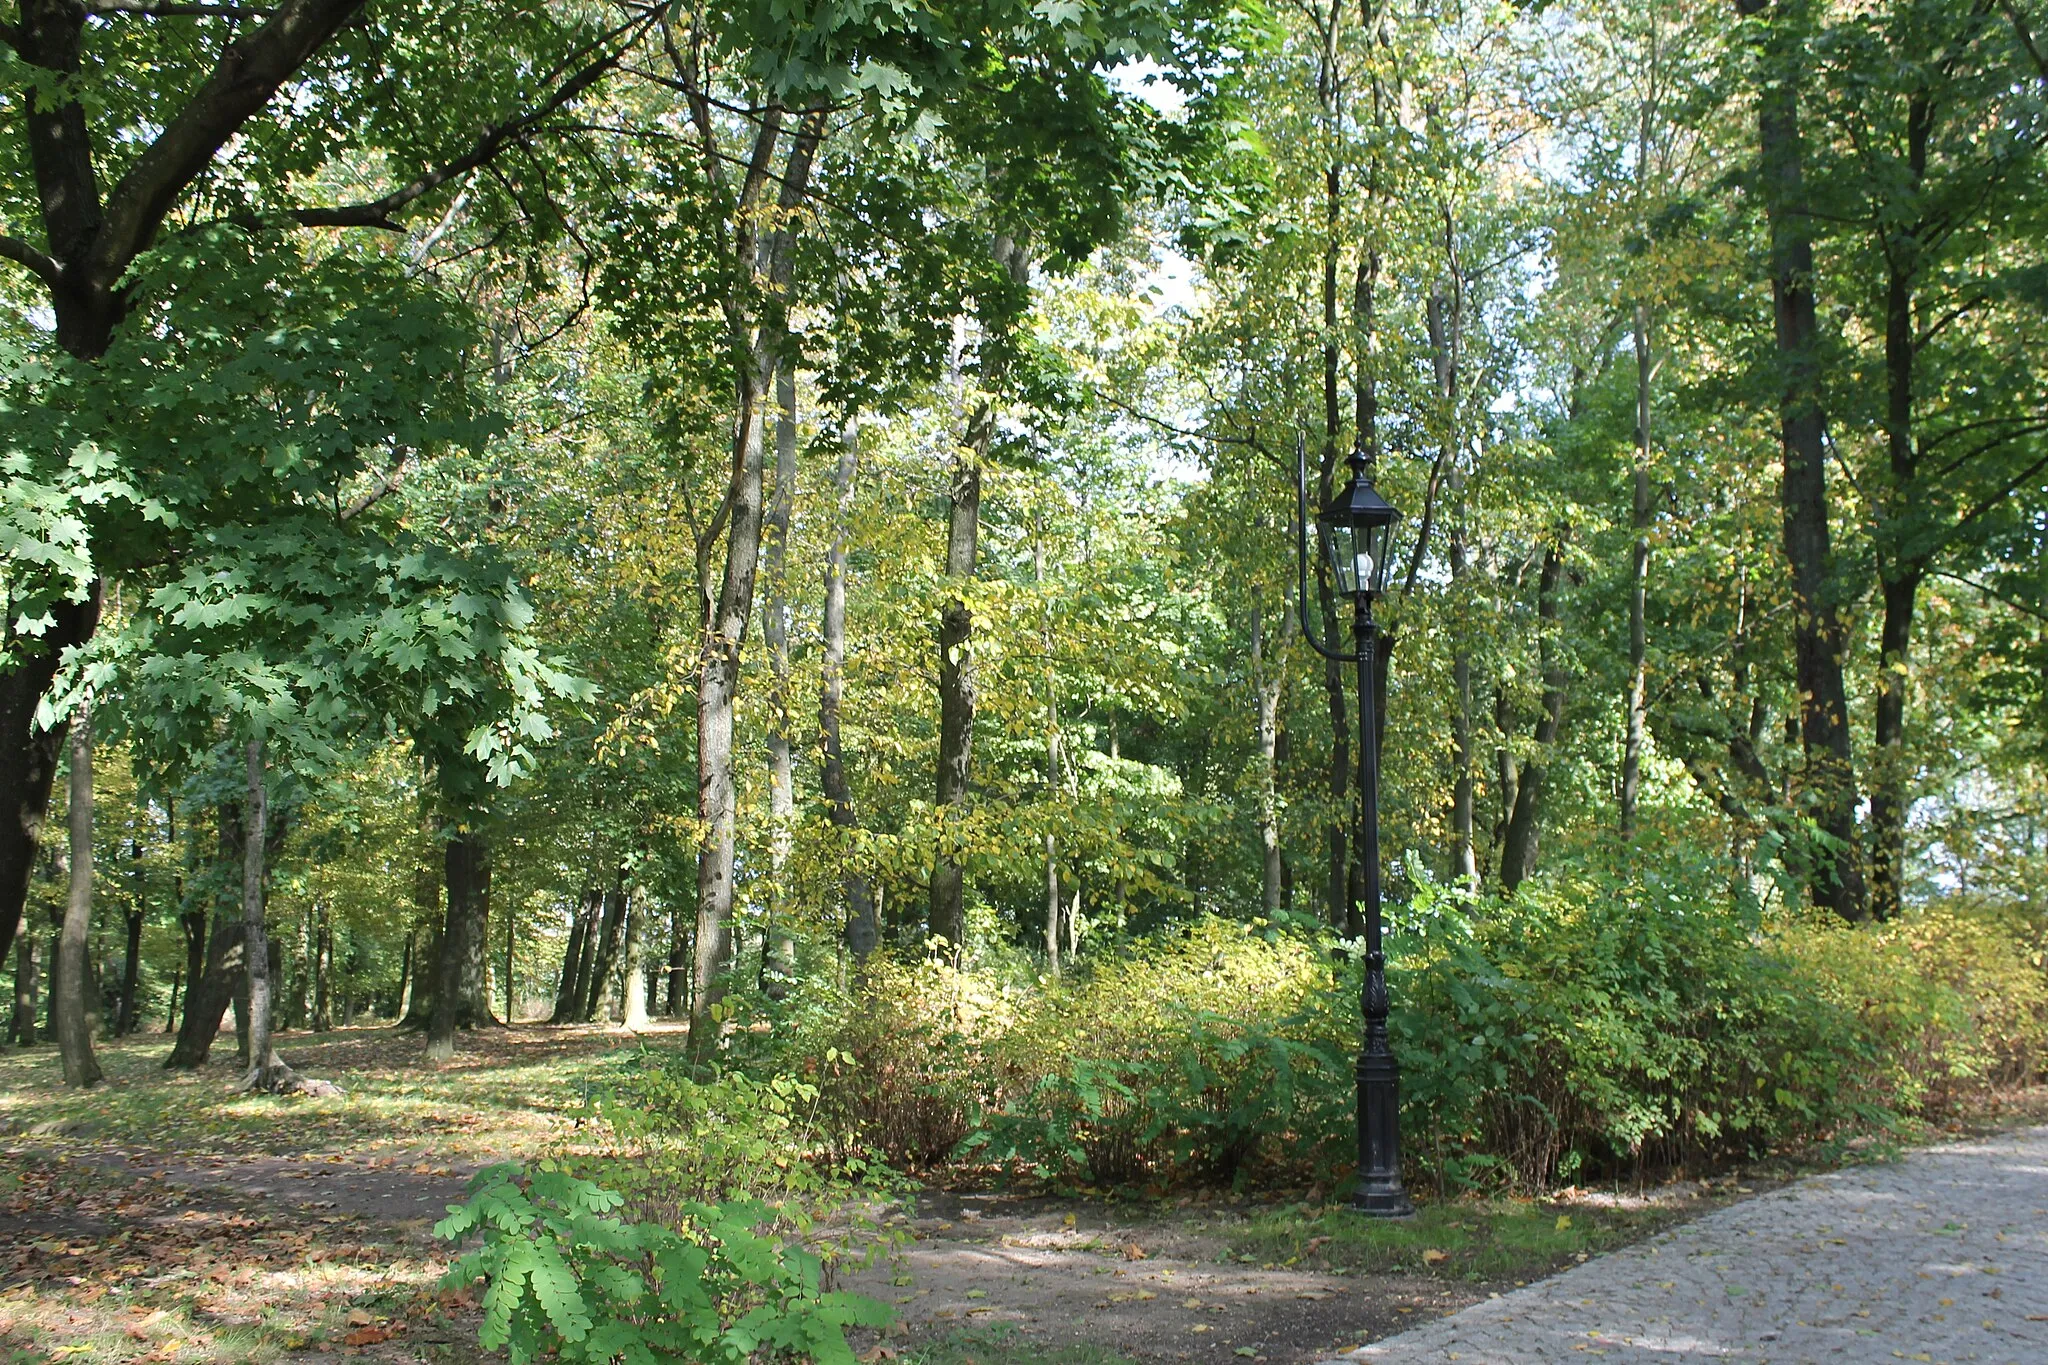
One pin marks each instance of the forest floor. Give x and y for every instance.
(163, 1217)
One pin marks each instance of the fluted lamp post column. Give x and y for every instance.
(1357, 526)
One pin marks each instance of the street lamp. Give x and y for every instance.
(1358, 525)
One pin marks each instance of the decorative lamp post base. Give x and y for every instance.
(1379, 1193)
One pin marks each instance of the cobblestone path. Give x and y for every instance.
(1942, 1256)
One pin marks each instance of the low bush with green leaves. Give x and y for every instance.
(1599, 1024)
(566, 1277)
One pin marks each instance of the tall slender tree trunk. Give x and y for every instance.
(778, 950)
(459, 876)
(473, 1006)
(566, 994)
(323, 973)
(28, 755)
(1343, 908)
(1819, 642)
(130, 1015)
(1639, 586)
(1900, 565)
(758, 339)
(957, 685)
(596, 1007)
(1444, 338)
(27, 974)
(678, 964)
(1053, 896)
(74, 1034)
(426, 895)
(633, 1006)
(862, 928)
(1268, 673)
(263, 1061)
(1518, 848)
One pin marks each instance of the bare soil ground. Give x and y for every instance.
(1061, 1274)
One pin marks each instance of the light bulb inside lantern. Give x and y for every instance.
(1364, 571)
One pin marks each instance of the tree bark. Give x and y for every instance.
(862, 928)
(1818, 638)
(1637, 726)
(633, 1011)
(596, 989)
(678, 965)
(264, 1066)
(473, 1005)
(1268, 673)
(323, 970)
(778, 951)
(27, 973)
(28, 756)
(208, 995)
(1518, 848)
(957, 694)
(74, 1034)
(130, 1016)
(757, 337)
(566, 994)
(459, 863)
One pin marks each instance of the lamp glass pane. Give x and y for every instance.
(1381, 539)
(1344, 547)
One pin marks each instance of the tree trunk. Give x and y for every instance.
(130, 1016)
(426, 897)
(460, 875)
(408, 974)
(473, 1007)
(1518, 848)
(1899, 569)
(28, 756)
(633, 1012)
(678, 965)
(757, 337)
(208, 995)
(1819, 641)
(1268, 673)
(74, 1034)
(957, 693)
(323, 970)
(27, 973)
(264, 1066)
(511, 963)
(862, 928)
(595, 1006)
(566, 994)
(1889, 797)
(778, 951)
(1639, 588)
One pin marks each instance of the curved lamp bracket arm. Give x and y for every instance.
(1308, 632)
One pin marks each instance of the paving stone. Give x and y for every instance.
(1939, 1257)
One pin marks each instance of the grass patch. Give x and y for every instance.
(505, 1093)
(1485, 1240)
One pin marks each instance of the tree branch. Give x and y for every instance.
(378, 213)
(247, 75)
(22, 254)
(145, 10)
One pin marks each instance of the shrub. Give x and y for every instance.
(916, 1040)
(567, 1278)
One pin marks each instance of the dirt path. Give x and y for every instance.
(1061, 1274)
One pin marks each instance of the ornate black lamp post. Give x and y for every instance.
(1357, 525)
